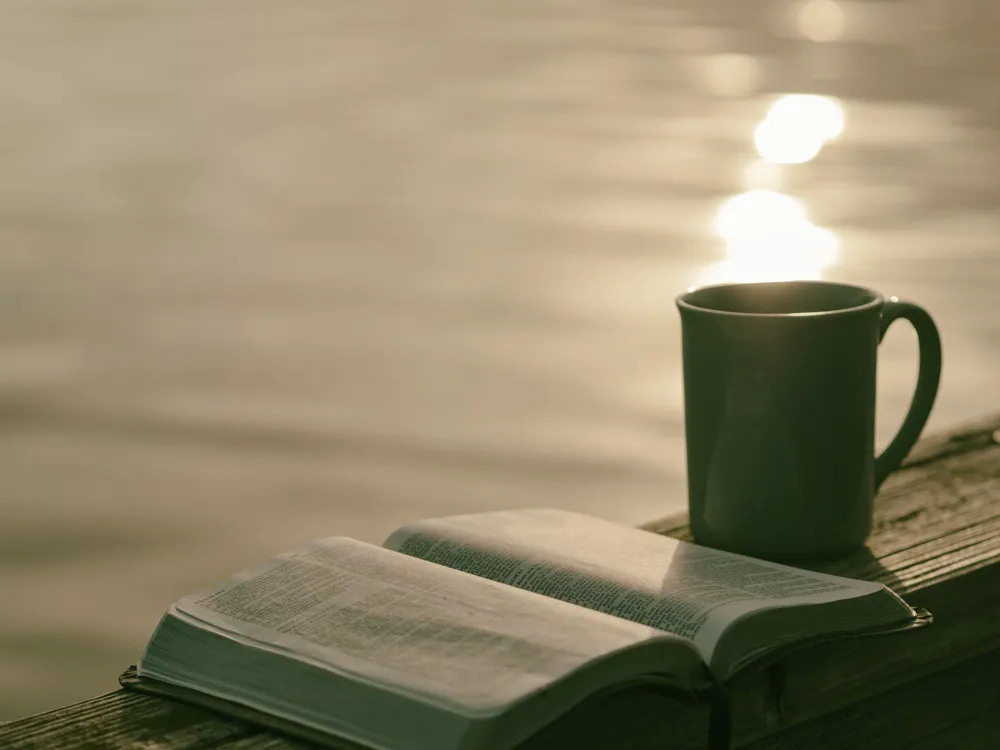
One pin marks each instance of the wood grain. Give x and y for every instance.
(935, 541)
(950, 710)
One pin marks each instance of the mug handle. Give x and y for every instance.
(929, 343)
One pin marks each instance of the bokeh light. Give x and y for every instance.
(769, 237)
(821, 20)
(796, 128)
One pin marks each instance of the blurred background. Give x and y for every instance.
(274, 271)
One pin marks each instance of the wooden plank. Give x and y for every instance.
(951, 710)
(133, 720)
(935, 541)
(122, 719)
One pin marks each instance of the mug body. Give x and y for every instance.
(779, 394)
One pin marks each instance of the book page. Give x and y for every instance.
(456, 639)
(692, 591)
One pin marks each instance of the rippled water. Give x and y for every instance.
(270, 272)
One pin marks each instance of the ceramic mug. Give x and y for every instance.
(779, 395)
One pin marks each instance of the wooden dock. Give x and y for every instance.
(936, 542)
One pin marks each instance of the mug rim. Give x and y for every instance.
(877, 299)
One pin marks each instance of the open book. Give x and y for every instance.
(478, 631)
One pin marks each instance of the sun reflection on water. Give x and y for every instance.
(768, 234)
(821, 20)
(796, 128)
(769, 237)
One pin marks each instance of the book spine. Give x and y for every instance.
(720, 717)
